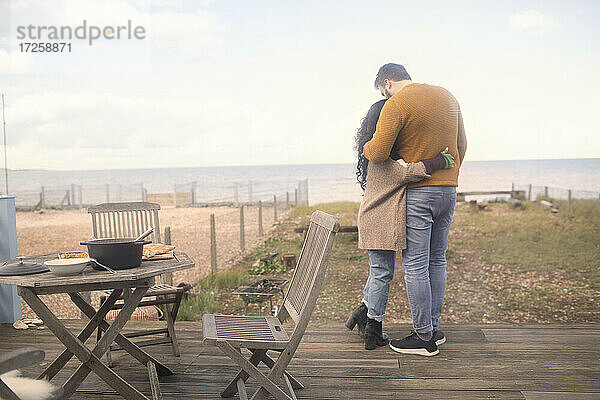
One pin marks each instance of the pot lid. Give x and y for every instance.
(22, 268)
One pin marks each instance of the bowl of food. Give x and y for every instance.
(67, 266)
(73, 254)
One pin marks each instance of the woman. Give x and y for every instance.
(382, 223)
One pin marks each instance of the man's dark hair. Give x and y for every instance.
(392, 72)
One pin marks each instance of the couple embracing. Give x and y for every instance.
(410, 148)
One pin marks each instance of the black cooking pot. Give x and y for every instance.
(116, 253)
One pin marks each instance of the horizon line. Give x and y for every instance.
(271, 165)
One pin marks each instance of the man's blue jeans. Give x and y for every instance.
(429, 211)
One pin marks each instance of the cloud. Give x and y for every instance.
(294, 99)
(16, 62)
(173, 30)
(532, 21)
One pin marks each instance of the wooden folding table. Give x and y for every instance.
(134, 282)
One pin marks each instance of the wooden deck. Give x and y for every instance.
(532, 362)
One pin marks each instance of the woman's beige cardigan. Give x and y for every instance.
(382, 213)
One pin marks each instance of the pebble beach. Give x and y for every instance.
(62, 230)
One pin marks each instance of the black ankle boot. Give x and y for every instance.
(373, 335)
(358, 317)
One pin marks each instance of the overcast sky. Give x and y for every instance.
(229, 82)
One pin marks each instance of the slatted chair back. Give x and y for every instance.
(125, 220)
(306, 283)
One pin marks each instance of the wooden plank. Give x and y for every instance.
(171, 327)
(129, 216)
(333, 364)
(538, 335)
(20, 358)
(560, 395)
(343, 229)
(485, 192)
(154, 384)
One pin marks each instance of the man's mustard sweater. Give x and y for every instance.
(423, 120)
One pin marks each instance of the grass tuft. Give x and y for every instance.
(346, 211)
(205, 298)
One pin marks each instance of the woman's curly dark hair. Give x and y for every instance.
(363, 135)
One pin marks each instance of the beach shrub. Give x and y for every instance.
(273, 266)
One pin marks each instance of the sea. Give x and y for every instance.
(326, 182)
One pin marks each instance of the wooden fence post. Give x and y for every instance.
(66, 199)
(168, 235)
(306, 190)
(546, 192)
(193, 193)
(529, 195)
(168, 278)
(242, 233)
(287, 200)
(213, 245)
(260, 221)
(175, 195)
(274, 209)
(570, 200)
(43, 198)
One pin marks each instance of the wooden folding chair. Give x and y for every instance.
(112, 220)
(260, 334)
(19, 359)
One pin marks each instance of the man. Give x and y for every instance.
(422, 120)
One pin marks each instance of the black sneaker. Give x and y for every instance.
(413, 344)
(439, 337)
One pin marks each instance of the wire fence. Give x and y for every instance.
(533, 193)
(529, 192)
(77, 196)
(193, 194)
